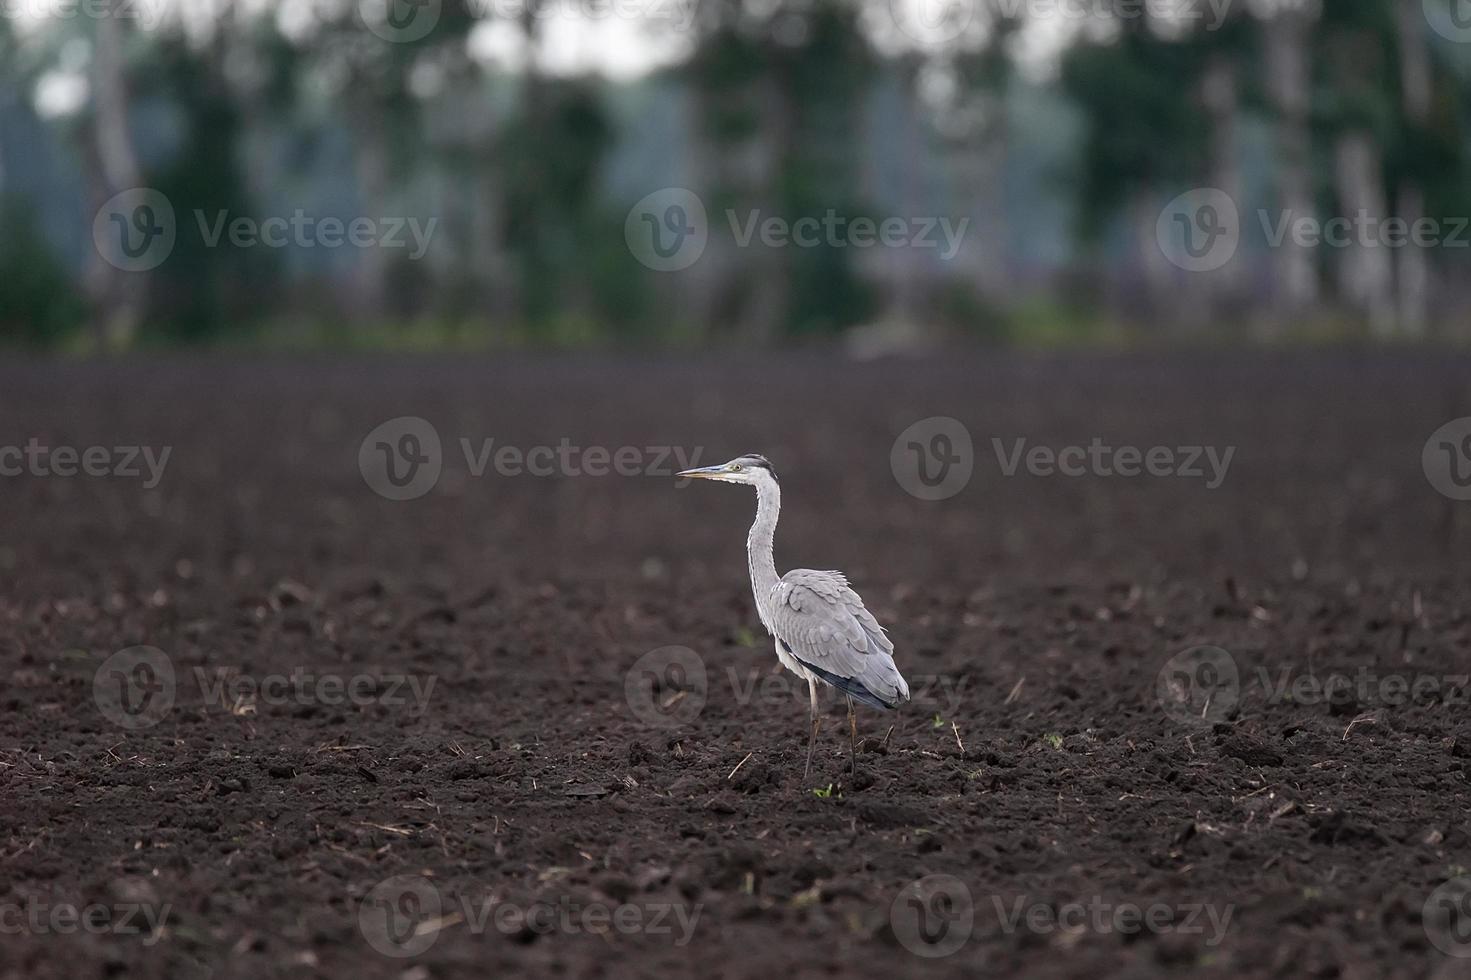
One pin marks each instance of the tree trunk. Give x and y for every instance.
(118, 297)
(369, 299)
(1365, 271)
(1223, 286)
(1288, 81)
(1413, 263)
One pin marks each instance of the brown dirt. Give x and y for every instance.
(1033, 616)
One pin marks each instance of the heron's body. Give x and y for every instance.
(823, 632)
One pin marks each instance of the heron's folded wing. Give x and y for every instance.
(826, 625)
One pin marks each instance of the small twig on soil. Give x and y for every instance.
(1016, 690)
(739, 764)
(392, 830)
(886, 736)
(1361, 719)
(958, 743)
(430, 926)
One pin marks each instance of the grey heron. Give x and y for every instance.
(822, 630)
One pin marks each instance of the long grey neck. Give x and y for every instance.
(759, 542)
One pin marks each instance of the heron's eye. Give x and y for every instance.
(736, 467)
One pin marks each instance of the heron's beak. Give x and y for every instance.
(699, 473)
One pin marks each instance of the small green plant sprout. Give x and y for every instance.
(938, 721)
(823, 794)
(1053, 739)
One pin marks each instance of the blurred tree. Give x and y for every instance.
(1358, 115)
(110, 162)
(779, 93)
(555, 150)
(1286, 32)
(206, 286)
(1146, 134)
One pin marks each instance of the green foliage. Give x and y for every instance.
(39, 306)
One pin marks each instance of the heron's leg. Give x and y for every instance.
(816, 723)
(852, 737)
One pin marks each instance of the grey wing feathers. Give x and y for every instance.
(825, 625)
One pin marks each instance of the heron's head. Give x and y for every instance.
(751, 469)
